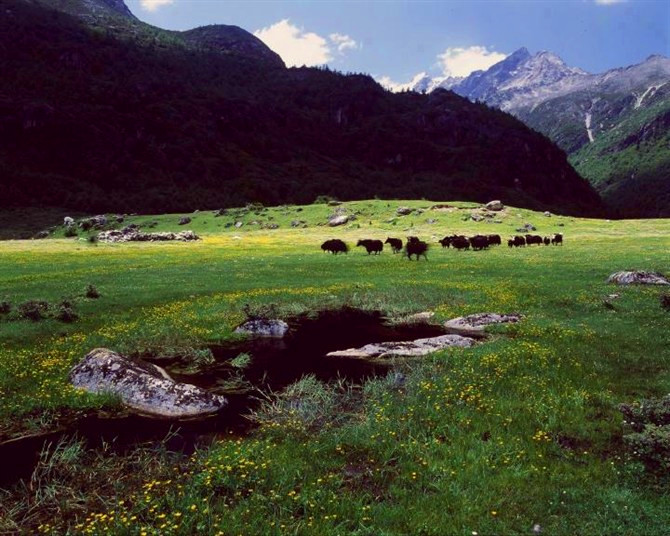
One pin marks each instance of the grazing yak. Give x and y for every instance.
(547, 240)
(517, 241)
(396, 244)
(416, 247)
(558, 239)
(479, 242)
(371, 246)
(494, 240)
(460, 242)
(533, 239)
(335, 246)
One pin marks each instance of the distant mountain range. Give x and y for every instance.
(101, 112)
(614, 125)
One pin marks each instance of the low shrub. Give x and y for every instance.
(5, 307)
(649, 441)
(665, 301)
(92, 239)
(651, 446)
(92, 292)
(71, 231)
(34, 310)
(66, 314)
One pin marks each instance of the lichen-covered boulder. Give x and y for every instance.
(143, 387)
(638, 278)
(416, 348)
(495, 205)
(475, 325)
(262, 327)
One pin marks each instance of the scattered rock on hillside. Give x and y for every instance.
(262, 327)
(131, 234)
(495, 205)
(68, 222)
(336, 220)
(238, 224)
(403, 211)
(416, 348)
(476, 217)
(526, 227)
(41, 235)
(143, 387)
(638, 278)
(185, 220)
(475, 325)
(548, 214)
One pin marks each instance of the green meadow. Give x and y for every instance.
(520, 433)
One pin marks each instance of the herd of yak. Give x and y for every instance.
(419, 248)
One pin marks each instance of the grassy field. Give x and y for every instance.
(520, 431)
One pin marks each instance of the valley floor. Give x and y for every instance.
(517, 433)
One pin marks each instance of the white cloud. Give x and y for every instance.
(343, 42)
(295, 46)
(459, 61)
(396, 87)
(609, 2)
(153, 5)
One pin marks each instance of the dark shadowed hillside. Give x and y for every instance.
(142, 120)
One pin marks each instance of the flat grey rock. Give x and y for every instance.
(475, 325)
(416, 348)
(143, 387)
(130, 234)
(638, 278)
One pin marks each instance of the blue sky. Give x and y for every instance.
(400, 39)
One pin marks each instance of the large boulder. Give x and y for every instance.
(261, 327)
(495, 205)
(68, 222)
(341, 219)
(184, 220)
(143, 387)
(475, 325)
(416, 348)
(638, 278)
(403, 211)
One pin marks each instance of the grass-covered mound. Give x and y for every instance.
(522, 430)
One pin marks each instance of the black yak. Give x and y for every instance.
(371, 246)
(510, 243)
(533, 239)
(416, 247)
(518, 241)
(479, 242)
(494, 240)
(446, 241)
(335, 246)
(460, 242)
(558, 239)
(547, 240)
(396, 244)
